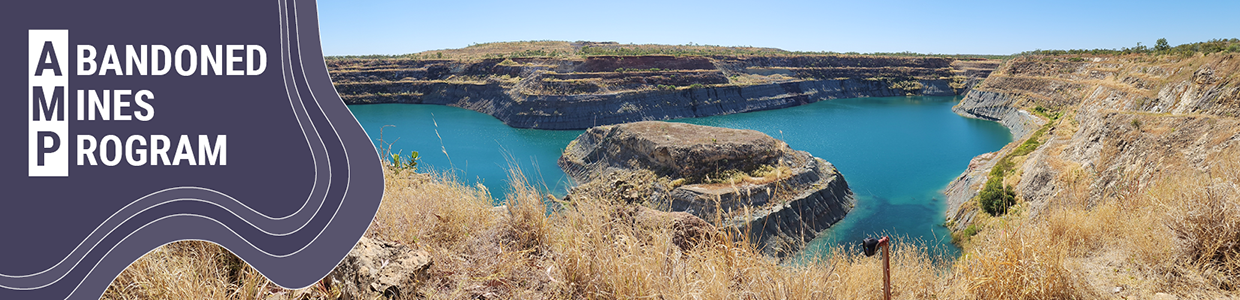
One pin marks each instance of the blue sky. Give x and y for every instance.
(966, 27)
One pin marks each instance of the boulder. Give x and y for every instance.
(687, 230)
(380, 267)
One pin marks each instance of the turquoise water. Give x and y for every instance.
(897, 153)
(476, 147)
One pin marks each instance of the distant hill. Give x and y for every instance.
(563, 49)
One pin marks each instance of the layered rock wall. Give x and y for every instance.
(548, 93)
(1116, 124)
(742, 179)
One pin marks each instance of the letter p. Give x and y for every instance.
(49, 142)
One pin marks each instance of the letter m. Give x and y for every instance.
(48, 107)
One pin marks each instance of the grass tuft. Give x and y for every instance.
(1181, 237)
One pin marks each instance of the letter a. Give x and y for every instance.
(47, 60)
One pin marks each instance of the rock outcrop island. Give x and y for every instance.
(743, 179)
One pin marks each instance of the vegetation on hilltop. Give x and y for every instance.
(1160, 47)
(564, 49)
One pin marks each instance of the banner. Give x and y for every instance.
(129, 125)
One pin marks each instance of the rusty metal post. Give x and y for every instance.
(886, 244)
(868, 246)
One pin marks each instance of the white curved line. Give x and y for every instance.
(332, 219)
(288, 59)
(348, 181)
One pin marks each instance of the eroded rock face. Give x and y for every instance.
(737, 178)
(999, 107)
(379, 267)
(579, 93)
(1125, 121)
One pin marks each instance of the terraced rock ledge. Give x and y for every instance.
(741, 179)
(566, 87)
(1108, 119)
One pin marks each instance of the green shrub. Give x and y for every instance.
(971, 231)
(1047, 113)
(1039, 110)
(960, 237)
(995, 198)
(399, 163)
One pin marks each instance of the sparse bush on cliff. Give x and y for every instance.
(1047, 113)
(969, 232)
(995, 197)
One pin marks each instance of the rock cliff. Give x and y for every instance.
(586, 91)
(1108, 125)
(741, 179)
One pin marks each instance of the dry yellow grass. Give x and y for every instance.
(586, 250)
(1179, 237)
(198, 270)
(1205, 220)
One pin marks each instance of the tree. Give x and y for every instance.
(995, 197)
(1162, 45)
